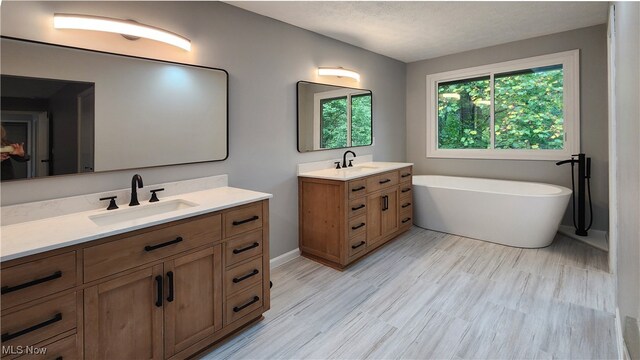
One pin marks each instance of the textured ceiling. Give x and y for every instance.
(411, 31)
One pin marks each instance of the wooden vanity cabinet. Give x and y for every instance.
(142, 295)
(341, 221)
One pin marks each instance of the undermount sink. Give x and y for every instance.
(140, 212)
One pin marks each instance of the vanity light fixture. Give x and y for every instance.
(339, 72)
(127, 28)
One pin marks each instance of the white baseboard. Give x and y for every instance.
(623, 354)
(284, 258)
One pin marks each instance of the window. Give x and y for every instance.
(523, 109)
(343, 119)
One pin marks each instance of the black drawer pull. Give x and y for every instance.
(358, 188)
(153, 247)
(384, 181)
(357, 246)
(159, 289)
(406, 219)
(406, 205)
(240, 222)
(9, 336)
(8, 289)
(358, 207)
(406, 190)
(245, 277)
(405, 175)
(238, 251)
(253, 301)
(357, 226)
(170, 280)
(59, 358)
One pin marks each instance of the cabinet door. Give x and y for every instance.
(382, 215)
(193, 306)
(375, 204)
(123, 317)
(389, 217)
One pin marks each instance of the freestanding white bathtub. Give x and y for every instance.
(514, 213)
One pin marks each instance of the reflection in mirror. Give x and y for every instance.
(333, 117)
(80, 111)
(28, 105)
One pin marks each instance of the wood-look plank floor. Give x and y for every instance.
(430, 295)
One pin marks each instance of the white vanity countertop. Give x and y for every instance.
(355, 172)
(32, 237)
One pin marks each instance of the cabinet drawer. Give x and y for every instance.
(406, 205)
(406, 216)
(357, 207)
(357, 244)
(406, 190)
(243, 276)
(39, 322)
(36, 279)
(243, 247)
(381, 181)
(243, 219)
(405, 174)
(243, 303)
(66, 349)
(357, 225)
(357, 188)
(118, 255)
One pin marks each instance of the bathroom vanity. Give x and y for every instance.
(163, 286)
(346, 213)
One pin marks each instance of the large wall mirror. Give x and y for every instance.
(81, 111)
(333, 117)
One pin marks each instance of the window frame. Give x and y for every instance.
(570, 61)
(347, 93)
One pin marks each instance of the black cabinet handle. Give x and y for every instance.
(357, 246)
(8, 289)
(358, 207)
(406, 219)
(59, 358)
(240, 222)
(358, 188)
(406, 205)
(406, 190)
(159, 286)
(245, 277)
(170, 281)
(405, 175)
(357, 226)
(238, 251)
(384, 181)
(9, 336)
(253, 301)
(153, 247)
(385, 203)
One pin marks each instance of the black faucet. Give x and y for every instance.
(136, 180)
(344, 158)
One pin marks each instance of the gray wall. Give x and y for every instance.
(593, 87)
(265, 58)
(627, 179)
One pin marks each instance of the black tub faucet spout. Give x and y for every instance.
(136, 183)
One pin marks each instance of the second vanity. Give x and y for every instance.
(346, 213)
(163, 286)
